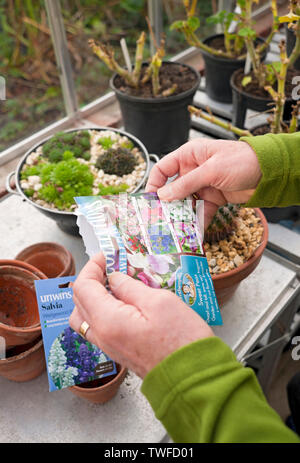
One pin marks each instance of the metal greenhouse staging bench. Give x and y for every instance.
(30, 413)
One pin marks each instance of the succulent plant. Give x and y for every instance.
(76, 142)
(223, 224)
(119, 161)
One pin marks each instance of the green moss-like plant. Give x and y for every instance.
(76, 142)
(127, 144)
(30, 170)
(112, 189)
(105, 142)
(63, 180)
(118, 161)
(29, 193)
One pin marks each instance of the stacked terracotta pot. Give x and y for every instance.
(22, 355)
(21, 347)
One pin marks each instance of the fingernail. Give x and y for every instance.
(165, 192)
(115, 279)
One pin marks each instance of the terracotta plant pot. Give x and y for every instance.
(25, 362)
(19, 316)
(100, 390)
(225, 284)
(52, 259)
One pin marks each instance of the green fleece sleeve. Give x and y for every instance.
(279, 159)
(201, 393)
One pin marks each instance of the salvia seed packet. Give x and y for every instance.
(69, 357)
(157, 242)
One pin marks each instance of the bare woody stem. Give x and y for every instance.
(193, 40)
(190, 7)
(254, 54)
(156, 65)
(139, 54)
(274, 29)
(107, 56)
(294, 119)
(279, 96)
(214, 120)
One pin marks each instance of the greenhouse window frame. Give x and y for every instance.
(75, 115)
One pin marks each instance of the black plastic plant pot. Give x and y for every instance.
(290, 43)
(242, 101)
(162, 124)
(218, 71)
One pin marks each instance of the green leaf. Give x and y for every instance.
(247, 32)
(246, 80)
(276, 65)
(193, 23)
(217, 18)
(177, 25)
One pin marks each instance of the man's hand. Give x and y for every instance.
(219, 171)
(137, 326)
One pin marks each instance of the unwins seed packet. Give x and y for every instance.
(70, 358)
(157, 242)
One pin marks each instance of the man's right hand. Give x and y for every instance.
(219, 171)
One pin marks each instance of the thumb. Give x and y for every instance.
(189, 183)
(129, 290)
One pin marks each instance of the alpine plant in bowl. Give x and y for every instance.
(81, 163)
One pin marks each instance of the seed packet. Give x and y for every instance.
(153, 241)
(69, 357)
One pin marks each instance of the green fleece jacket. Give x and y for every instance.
(201, 393)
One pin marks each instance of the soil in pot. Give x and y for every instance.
(170, 73)
(233, 258)
(100, 390)
(161, 123)
(19, 317)
(52, 259)
(24, 362)
(253, 87)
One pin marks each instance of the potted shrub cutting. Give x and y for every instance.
(152, 96)
(223, 53)
(251, 89)
(276, 124)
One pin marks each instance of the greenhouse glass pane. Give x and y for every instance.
(33, 92)
(108, 21)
